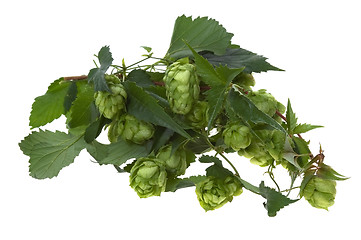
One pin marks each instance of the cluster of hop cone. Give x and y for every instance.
(148, 175)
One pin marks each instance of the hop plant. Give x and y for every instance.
(130, 128)
(175, 163)
(198, 116)
(182, 86)
(111, 104)
(320, 192)
(213, 193)
(245, 80)
(264, 101)
(148, 177)
(237, 136)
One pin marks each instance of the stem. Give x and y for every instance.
(270, 173)
(290, 189)
(75, 78)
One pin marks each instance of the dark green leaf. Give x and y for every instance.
(327, 172)
(240, 58)
(289, 154)
(174, 184)
(146, 108)
(247, 111)
(201, 34)
(49, 106)
(302, 128)
(249, 186)
(210, 159)
(275, 200)
(117, 153)
(70, 96)
(50, 152)
(301, 148)
(96, 75)
(95, 128)
(141, 78)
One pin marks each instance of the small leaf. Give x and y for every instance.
(96, 75)
(117, 153)
(291, 118)
(146, 108)
(201, 34)
(210, 159)
(148, 49)
(178, 183)
(50, 152)
(275, 200)
(289, 154)
(241, 58)
(49, 106)
(301, 147)
(302, 128)
(327, 172)
(70, 96)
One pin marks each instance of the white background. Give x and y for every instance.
(316, 42)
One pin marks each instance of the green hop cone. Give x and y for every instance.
(130, 128)
(264, 101)
(319, 192)
(245, 80)
(182, 86)
(176, 163)
(148, 177)
(257, 153)
(237, 136)
(111, 104)
(198, 116)
(213, 193)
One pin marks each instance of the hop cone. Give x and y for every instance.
(148, 177)
(319, 192)
(213, 193)
(237, 136)
(176, 163)
(198, 116)
(245, 80)
(111, 104)
(264, 101)
(182, 86)
(130, 128)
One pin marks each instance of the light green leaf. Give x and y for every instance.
(117, 153)
(201, 34)
(146, 108)
(50, 152)
(49, 106)
(96, 75)
(302, 128)
(275, 200)
(291, 118)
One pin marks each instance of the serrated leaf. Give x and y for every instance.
(210, 159)
(141, 78)
(291, 118)
(178, 183)
(70, 96)
(275, 200)
(50, 152)
(49, 106)
(249, 186)
(302, 128)
(117, 153)
(216, 170)
(96, 75)
(241, 58)
(83, 111)
(95, 128)
(146, 108)
(201, 34)
(247, 111)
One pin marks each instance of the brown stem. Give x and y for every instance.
(82, 77)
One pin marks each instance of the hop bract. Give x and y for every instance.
(130, 128)
(264, 101)
(182, 86)
(111, 104)
(148, 177)
(198, 116)
(237, 136)
(319, 192)
(175, 163)
(213, 193)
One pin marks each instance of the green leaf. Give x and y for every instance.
(96, 75)
(249, 186)
(146, 108)
(216, 170)
(247, 111)
(275, 200)
(291, 118)
(95, 128)
(301, 148)
(201, 34)
(241, 58)
(289, 154)
(50, 152)
(70, 96)
(117, 153)
(83, 111)
(49, 106)
(326, 172)
(302, 128)
(141, 78)
(210, 159)
(174, 184)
